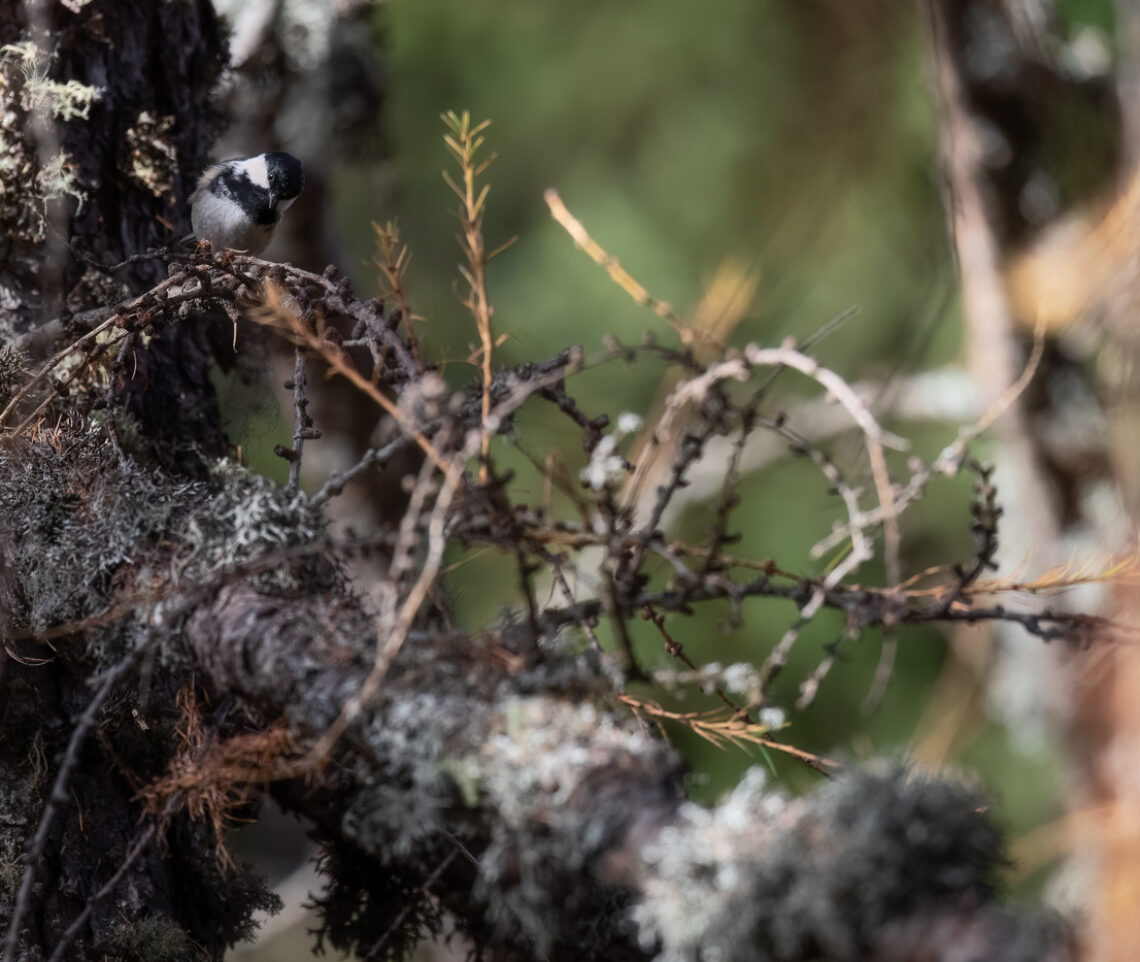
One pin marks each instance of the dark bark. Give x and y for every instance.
(156, 61)
(135, 158)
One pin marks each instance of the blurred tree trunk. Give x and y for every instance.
(1011, 112)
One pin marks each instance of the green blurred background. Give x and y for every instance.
(797, 137)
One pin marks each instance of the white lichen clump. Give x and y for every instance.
(57, 179)
(249, 517)
(695, 874)
(606, 466)
(65, 101)
(546, 747)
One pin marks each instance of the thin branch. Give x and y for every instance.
(393, 623)
(618, 274)
(302, 423)
(336, 484)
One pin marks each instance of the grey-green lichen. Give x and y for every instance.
(547, 764)
(76, 521)
(544, 745)
(20, 206)
(760, 877)
(250, 518)
(11, 871)
(26, 787)
(699, 868)
(449, 743)
(155, 940)
(540, 763)
(13, 369)
(73, 520)
(420, 738)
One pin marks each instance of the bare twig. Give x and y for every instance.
(336, 484)
(618, 274)
(396, 616)
(302, 423)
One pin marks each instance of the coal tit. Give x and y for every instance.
(238, 202)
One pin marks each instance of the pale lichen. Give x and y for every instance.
(249, 518)
(13, 368)
(72, 522)
(65, 101)
(30, 99)
(151, 155)
(57, 179)
(762, 876)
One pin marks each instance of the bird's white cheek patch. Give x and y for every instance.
(257, 171)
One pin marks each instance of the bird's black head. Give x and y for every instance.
(286, 176)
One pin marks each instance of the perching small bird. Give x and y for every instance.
(238, 202)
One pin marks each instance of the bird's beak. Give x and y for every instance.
(272, 199)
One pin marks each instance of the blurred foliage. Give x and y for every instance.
(789, 134)
(1075, 14)
(798, 137)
